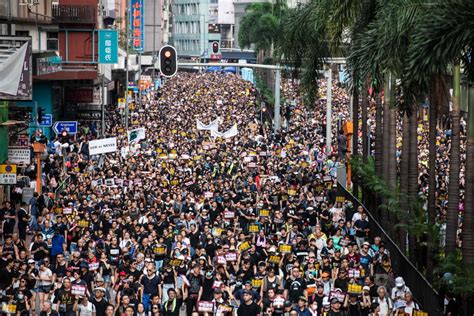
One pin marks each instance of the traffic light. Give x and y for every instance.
(40, 115)
(215, 47)
(168, 61)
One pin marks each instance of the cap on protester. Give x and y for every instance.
(334, 300)
(246, 292)
(217, 290)
(99, 288)
(122, 273)
(41, 262)
(99, 278)
(30, 261)
(302, 298)
(326, 301)
(248, 282)
(366, 288)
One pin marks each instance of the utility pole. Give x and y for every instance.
(103, 106)
(140, 78)
(277, 99)
(329, 110)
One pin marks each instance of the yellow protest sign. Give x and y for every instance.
(340, 199)
(257, 282)
(159, 250)
(253, 228)
(175, 262)
(244, 246)
(284, 248)
(264, 213)
(274, 259)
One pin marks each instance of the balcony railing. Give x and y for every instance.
(82, 14)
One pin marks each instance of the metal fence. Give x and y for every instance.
(423, 291)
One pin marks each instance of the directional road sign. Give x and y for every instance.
(47, 120)
(68, 126)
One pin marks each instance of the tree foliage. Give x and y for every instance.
(260, 25)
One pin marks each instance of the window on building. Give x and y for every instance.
(22, 33)
(52, 41)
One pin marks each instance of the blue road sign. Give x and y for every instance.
(68, 126)
(47, 120)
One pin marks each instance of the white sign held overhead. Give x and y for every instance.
(102, 146)
(214, 125)
(19, 156)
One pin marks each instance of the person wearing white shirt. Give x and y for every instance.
(85, 308)
(384, 302)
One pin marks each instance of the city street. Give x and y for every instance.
(236, 158)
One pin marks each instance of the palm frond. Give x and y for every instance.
(445, 35)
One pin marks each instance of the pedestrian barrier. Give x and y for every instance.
(425, 295)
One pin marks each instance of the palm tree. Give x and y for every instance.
(444, 39)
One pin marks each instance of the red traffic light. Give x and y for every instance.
(215, 47)
(168, 61)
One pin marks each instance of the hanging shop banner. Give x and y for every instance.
(102, 146)
(16, 69)
(137, 23)
(108, 47)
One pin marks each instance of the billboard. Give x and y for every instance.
(16, 69)
(137, 24)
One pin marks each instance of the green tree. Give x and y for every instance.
(260, 25)
(441, 41)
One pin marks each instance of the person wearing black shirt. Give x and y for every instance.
(249, 307)
(22, 297)
(195, 289)
(99, 301)
(295, 286)
(39, 248)
(9, 214)
(336, 308)
(151, 285)
(23, 219)
(64, 299)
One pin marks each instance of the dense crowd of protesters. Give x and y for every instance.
(181, 222)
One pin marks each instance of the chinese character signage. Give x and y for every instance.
(48, 65)
(108, 47)
(137, 23)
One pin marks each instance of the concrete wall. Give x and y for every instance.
(153, 33)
